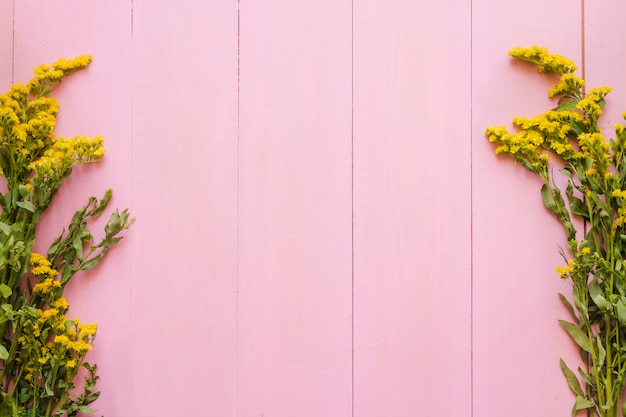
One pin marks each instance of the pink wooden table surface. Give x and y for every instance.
(322, 229)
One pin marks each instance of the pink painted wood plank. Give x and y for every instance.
(517, 339)
(605, 60)
(295, 209)
(93, 102)
(6, 45)
(412, 264)
(184, 184)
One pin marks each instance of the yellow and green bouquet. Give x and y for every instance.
(592, 211)
(41, 349)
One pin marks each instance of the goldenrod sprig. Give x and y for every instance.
(595, 171)
(41, 349)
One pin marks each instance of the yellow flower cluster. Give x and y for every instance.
(545, 61)
(596, 149)
(61, 68)
(49, 338)
(41, 268)
(552, 131)
(65, 153)
(569, 85)
(27, 123)
(565, 271)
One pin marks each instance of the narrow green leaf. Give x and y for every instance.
(601, 352)
(6, 229)
(588, 380)
(4, 353)
(620, 310)
(568, 305)
(578, 207)
(572, 381)
(582, 403)
(26, 205)
(102, 204)
(597, 295)
(548, 199)
(568, 105)
(577, 335)
(77, 244)
(5, 290)
(91, 263)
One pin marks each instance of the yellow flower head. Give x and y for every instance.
(545, 61)
(61, 304)
(569, 84)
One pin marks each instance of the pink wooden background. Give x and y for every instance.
(322, 230)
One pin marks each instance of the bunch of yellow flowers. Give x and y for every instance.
(594, 168)
(41, 349)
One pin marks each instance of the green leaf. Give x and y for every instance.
(5, 290)
(597, 295)
(601, 352)
(568, 105)
(586, 378)
(548, 199)
(577, 335)
(572, 381)
(4, 353)
(77, 244)
(582, 403)
(6, 229)
(568, 305)
(26, 205)
(102, 204)
(91, 263)
(620, 310)
(577, 206)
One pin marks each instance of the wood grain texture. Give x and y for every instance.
(323, 230)
(412, 260)
(6, 45)
(605, 64)
(184, 182)
(295, 209)
(517, 339)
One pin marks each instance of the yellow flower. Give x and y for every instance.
(37, 259)
(61, 304)
(564, 271)
(63, 340)
(70, 364)
(585, 251)
(87, 330)
(569, 84)
(81, 346)
(46, 286)
(545, 61)
(46, 314)
(71, 332)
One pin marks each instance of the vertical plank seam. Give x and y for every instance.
(238, 210)
(471, 202)
(582, 40)
(13, 42)
(132, 157)
(352, 197)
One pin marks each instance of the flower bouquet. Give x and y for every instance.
(41, 349)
